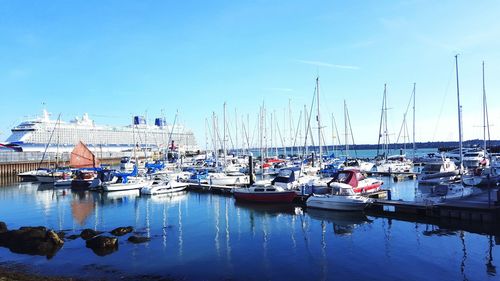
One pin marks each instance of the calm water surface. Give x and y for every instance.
(203, 236)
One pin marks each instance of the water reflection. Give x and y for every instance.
(228, 240)
(344, 223)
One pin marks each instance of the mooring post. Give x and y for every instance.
(250, 170)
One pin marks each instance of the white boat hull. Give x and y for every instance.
(170, 187)
(125, 186)
(340, 203)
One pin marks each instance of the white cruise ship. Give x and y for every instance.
(35, 134)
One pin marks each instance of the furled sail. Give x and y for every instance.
(82, 157)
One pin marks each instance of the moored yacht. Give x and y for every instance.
(356, 180)
(342, 198)
(163, 185)
(437, 172)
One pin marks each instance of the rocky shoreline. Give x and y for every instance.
(38, 240)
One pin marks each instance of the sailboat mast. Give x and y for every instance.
(414, 145)
(346, 137)
(459, 114)
(319, 125)
(224, 136)
(214, 139)
(380, 125)
(386, 132)
(484, 113)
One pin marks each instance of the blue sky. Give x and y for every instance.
(115, 59)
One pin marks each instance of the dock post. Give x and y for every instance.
(250, 169)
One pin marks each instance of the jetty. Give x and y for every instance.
(484, 207)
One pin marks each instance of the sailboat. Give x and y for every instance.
(85, 161)
(389, 163)
(353, 163)
(482, 173)
(227, 178)
(51, 176)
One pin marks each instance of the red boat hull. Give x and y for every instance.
(368, 188)
(275, 197)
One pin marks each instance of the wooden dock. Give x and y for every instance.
(475, 208)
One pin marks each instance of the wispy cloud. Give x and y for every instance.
(326, 64)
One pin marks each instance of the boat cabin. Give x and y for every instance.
(286, 175)
(350, 177)
(342, 191)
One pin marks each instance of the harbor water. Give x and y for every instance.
(205, 236)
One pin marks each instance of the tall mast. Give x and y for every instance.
(319, 125)
(224, 136)
(346, 139)
(333, 135)
(414, 145)
(484, 113)
(306, 115)
(214, 139)
(290, 128)
(236, 128)
(386, 132)
(459, 114)
(380, 125)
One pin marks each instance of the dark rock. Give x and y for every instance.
(32, 240)
(87, 234)
(61, 234)
(119, 231)
(72, 237)
(102, 245)
(3, 227)
(138, 239)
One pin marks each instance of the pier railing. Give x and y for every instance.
(16, 157)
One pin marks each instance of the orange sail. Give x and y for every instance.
(82, 157)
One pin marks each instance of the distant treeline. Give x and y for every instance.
(493, 146)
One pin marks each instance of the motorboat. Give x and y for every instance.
(437, 172)
(356, 180)
(394, 164)
(125, 181)
(445, 191)
(263, 192)
(227, 179)
(31, 175)
(342, 198)
(291, 178)
(475, 159)
(120, 183)
(163, 185)
(358, 164)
